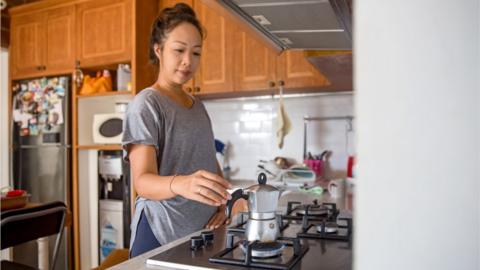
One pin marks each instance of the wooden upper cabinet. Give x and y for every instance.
(254, 64)
(27, 44)
(297, 72)
(43, 43)
(215, 73)
(232, 60)
(59, 30)
(104, 32)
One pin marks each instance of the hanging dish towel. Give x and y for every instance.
(284, 124)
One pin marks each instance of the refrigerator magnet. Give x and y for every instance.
(57, 109)
(17, 115)
(24, 132)
(42, 118)
(33, 130)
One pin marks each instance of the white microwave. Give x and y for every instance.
(107, 128)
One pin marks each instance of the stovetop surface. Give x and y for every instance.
(322, 254)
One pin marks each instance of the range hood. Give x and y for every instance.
(297, 24)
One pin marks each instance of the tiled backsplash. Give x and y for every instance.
(250, 125)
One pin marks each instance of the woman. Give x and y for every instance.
(169, 142)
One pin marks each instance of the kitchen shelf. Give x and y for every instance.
(100, 147)
(110, 93)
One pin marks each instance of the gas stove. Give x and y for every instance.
(320, 221)
(313, 236)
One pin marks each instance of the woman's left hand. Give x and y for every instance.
(218, 219)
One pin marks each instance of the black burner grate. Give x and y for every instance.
(225, 256)
(308, 232)
(297, 210)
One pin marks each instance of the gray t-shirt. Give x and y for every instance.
(184, 143)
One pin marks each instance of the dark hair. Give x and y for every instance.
(167, 20)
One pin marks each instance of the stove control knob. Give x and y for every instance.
(207, 237)
(196, 242)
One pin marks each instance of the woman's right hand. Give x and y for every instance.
(202, 186)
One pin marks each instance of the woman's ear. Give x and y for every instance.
(158, 50)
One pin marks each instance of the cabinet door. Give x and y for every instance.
(27, 44)
(215, 73)
(297, 72)
(254, 63)
(104, 32)
(60, 49)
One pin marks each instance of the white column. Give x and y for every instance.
(6, 254)
(417, 106)
(4, 126)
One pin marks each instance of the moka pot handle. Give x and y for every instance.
(237, 194)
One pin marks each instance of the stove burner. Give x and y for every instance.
(328, 229)
(264, 250)
(314, 211)
(317, 210)
(260, 255)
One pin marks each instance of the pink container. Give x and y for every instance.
(315, 165)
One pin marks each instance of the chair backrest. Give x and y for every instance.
(22, 225)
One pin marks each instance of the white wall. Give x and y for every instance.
(4, 134)
(250, 126)
(417, 107)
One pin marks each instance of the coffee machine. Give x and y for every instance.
(114, 202)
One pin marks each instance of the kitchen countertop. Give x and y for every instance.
(290, 194)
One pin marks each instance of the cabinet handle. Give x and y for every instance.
(196, 89)
(281, 83)
(271, 84)
(39, 67)
(189, 89)
(44, 67)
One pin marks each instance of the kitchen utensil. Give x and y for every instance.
(267, 171)
(124, 77)
(270, 166)
(323, 155)
(284, 123)
(315, 165)
(281, 162)
(317, 190)
(298, 175)
(336, 188)
(262, 224)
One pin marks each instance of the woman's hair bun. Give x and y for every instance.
(182, 8)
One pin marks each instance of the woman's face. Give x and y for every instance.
(181, 52)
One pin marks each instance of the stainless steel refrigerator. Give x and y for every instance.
(41, 155)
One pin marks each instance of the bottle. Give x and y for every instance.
(124, 76)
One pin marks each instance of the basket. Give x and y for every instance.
(14, 202)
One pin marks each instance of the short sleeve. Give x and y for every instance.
(141, 124)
